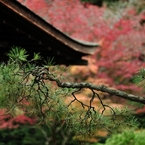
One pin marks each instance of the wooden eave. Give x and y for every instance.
(21, 27)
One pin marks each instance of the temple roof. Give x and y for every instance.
(21, 27)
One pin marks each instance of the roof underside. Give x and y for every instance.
(21, 27)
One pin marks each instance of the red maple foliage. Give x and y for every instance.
(71, 17)
(7, 121)
(119, 58)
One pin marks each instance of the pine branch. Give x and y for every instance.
(44, 74)
(101, 88)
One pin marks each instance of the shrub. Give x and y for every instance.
(23, 135)
(126, 138)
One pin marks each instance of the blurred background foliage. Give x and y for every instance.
(119, 27)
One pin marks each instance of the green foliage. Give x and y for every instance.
(140, 78)
(31, 89)
(94, 1)
(10, 86)
(100, 2)
(123, 120)
(30, 135)
(24, 135)
(141, 119)
(116, 3)
(126, 138)
(18, 54)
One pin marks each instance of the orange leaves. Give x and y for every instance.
(84, 70)
(92, 65)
